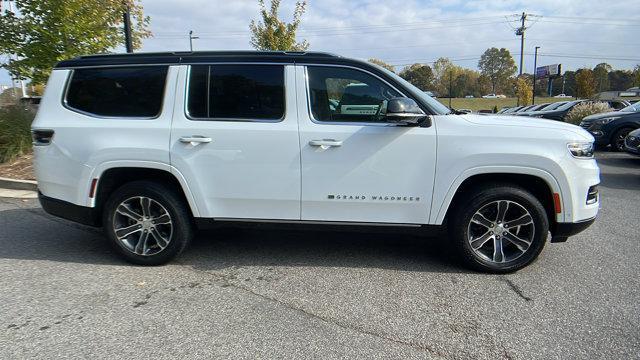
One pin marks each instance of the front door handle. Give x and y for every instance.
(326, 143)
(195, 140)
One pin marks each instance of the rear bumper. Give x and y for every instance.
(66, 210)
(562, 231)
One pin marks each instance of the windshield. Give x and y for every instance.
(632, 108)
(569, 105)
(555, 105)
(435, 105)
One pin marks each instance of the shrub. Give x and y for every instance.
(15, 131)
(580, 111)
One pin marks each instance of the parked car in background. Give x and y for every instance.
(469, 97)
(562, 96)
(549, 107)
(560, 112)
(490, 96)
(536, 107)
(512, 110)
(612, 128)
(500, 96)
(523, 108)
(632, 142)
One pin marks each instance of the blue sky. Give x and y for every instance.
(576, 33)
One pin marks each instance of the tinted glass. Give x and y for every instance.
(118, 92)
(253, 92)
(341, 94)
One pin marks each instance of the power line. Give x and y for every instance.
(356, 27)
(337, 32)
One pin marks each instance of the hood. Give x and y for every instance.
(605, 115)
(527, 122)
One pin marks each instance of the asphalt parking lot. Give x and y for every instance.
(293, 294)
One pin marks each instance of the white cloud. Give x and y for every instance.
(368, 28)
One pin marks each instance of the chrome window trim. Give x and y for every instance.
(66, 105)
(351, 123)
(272, 121)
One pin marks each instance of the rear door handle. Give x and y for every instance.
(326, 143)
(195, 140)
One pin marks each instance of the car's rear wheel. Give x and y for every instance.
(147, 223)
(499, 228)
(617, 141)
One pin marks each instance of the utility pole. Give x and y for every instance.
(450, 85)
(535, 64)
(126, 18)
(191, 38)
(520, 32)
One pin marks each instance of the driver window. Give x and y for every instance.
(347, 95)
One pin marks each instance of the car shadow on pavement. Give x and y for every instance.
(238, 247)
(31, 234)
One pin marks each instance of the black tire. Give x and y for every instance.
(166, 199)
(482, 198)
(617, 140)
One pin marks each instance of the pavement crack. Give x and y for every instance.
(516, 289)
(225, 279)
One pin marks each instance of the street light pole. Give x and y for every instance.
(191, 38)
(535, 66)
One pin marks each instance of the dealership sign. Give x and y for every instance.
(549, 71)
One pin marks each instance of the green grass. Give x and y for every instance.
(15, 132)
(476, 104)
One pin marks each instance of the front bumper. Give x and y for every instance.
(66, 210)
(632, 145)
(562, 231)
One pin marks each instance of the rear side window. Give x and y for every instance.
(244, 92)
(118, 92)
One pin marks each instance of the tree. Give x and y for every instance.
(274, 34)
(585, 83)
(48, 31)
(419, 75)
(441, 72)
(601, 76)
(636, 76)
(497, 65)
(524, 90)
(382, 64)
(620, 79)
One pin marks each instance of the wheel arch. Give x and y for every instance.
(112, 175)
(541, 183)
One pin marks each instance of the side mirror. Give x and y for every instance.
(404, 111)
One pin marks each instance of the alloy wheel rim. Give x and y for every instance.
(620, 140)
(142, 225)
(501, 231)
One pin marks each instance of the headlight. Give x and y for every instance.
(583, 150)
(605, 120)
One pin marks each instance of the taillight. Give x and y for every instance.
(41, 137)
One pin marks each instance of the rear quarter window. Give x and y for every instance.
(127, 92)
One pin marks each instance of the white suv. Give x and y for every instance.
(152, 146)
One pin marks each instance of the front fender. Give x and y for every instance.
(440, 208)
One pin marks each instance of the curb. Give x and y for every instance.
(14, 184)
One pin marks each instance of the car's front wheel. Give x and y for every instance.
(499, 228)
(147, 223)
(617, 141)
